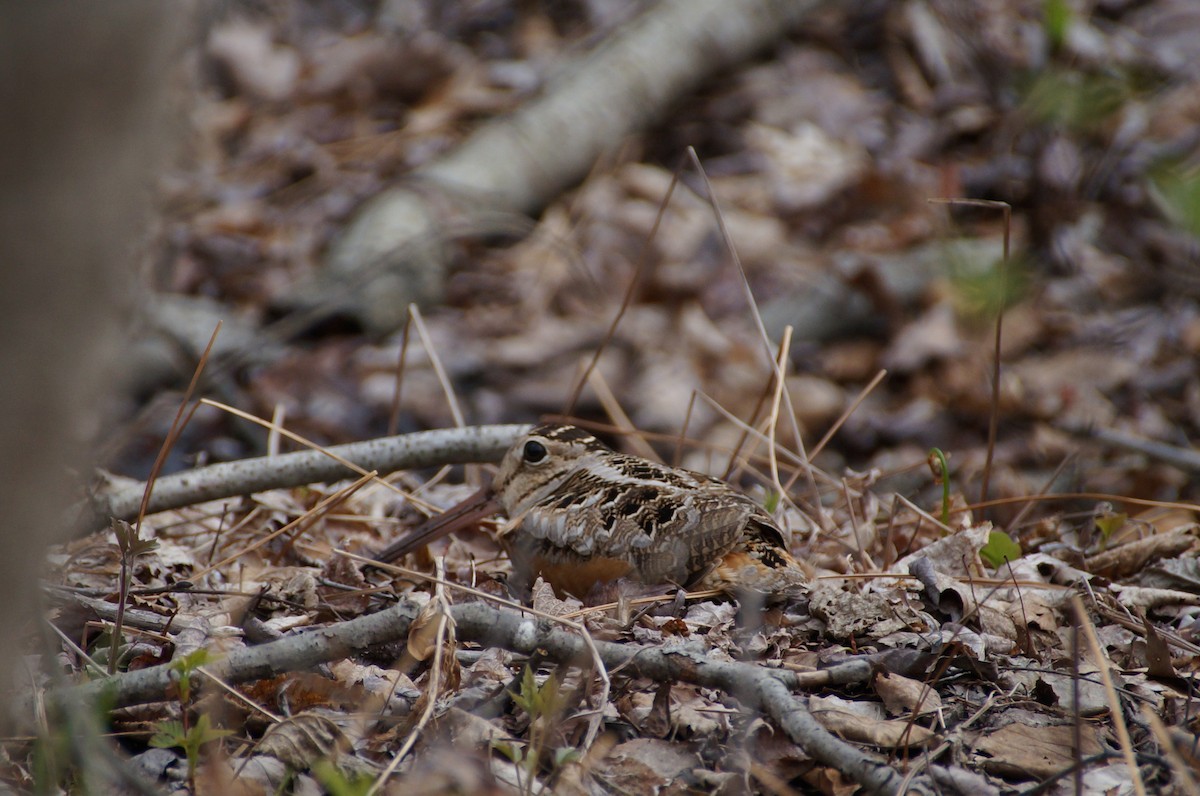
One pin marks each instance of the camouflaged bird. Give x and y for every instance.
(582, 515)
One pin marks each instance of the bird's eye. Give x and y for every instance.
(534, 452)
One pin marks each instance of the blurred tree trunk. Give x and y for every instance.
(82, 87)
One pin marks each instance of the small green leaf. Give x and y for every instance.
(526, 698)
(167, 734)
(203, 731)
(338, 783)
(512, 751)
(565, 754)
(1177, 190)
(128, 541)
(1056, 19)
(1110, 524)
(1000, 548)
(771, 501)
(192, 661)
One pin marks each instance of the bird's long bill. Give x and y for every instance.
(470, 511)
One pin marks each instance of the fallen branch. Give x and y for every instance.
(756, 687)
(1181, 458)
(386, 454)
(516, 164)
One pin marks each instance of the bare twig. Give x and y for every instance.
(394, 414)
(1114, 702)
(445, 623)
(473, 444)
(630, 291)
(756, 687)
(1183, 458)
(994, 412)
(414, 312)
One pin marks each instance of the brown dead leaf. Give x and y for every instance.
(850, 614)
(1158, 654)
(546, 601)
(1021, 751)
(303, 739)
(423, 633)
(903, 696)
(295, 692)
(931, 337)
(644, 766)
(1137, 598)
(1131, 558)
(949, 554)
(864, 726)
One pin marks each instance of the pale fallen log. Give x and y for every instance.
(388, 256)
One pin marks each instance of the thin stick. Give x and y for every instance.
(1166, 504)
(687, 420)
(578, 627)
(310, 516)
(278, 416)
(239, 696)
(1114, 704)
(394, 414)
(415, 313)
(745, 428)
(823, 518)
(994, 411)
(642, 266)
(1178, 765)
(841, 421)
(445, 622)
(176, 429)
(1049, 482)
(773, 417)
(613, 407)
(308, 443)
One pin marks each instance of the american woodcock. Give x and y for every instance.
(581, 515)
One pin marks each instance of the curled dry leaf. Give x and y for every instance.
(1129, 559)
(1139, 598)
(547, 602)
(949, 554)
(855, 726)
(423, 634)
(303, 738)
(903, 696)
(849, 614)
(1026, 752)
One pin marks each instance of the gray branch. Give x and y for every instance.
(756, 687)
(518, 163)
(385, 455)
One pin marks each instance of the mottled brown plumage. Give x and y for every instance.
(581, 515)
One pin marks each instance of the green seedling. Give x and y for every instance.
(338, 783)
(1000, 548)
(183, 734)
(941, 475)
(130, 547)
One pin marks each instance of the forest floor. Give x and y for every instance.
(1015, 559)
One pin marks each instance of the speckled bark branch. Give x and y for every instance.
(756, 687)
(387, 454)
